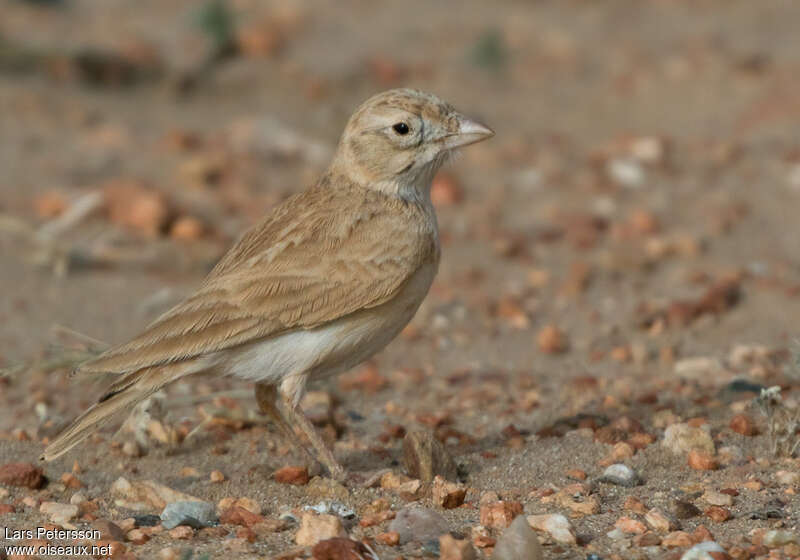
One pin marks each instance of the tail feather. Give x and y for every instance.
(110, 404)
(123, 394)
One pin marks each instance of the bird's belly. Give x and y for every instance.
(331, 348)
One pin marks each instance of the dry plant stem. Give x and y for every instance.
(782, 422)
(77, 212)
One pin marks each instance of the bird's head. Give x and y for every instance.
(398, 139)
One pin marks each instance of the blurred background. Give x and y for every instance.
(637, 208)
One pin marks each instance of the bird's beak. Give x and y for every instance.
(469, 132)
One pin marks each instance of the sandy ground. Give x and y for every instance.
(647, 153)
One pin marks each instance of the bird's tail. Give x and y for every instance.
(128, 391)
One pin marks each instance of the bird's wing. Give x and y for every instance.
(306, 266)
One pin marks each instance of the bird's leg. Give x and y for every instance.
(324, 454)
(267, 399)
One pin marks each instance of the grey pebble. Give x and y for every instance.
(420, 524)
(193, 514)
(621, 475)
(518, 542)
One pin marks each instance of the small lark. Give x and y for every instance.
(325, 281)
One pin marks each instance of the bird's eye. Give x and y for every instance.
(401, 128)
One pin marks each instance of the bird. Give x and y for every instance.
(324, 281)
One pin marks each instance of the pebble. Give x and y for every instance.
(779, 537)
(626, 172)
(133, 205)
(616, 534)
(448, 495)
(702, 551)
(682, 438)
(60, 514)
(499, 515)
(701, 460)
(339, 548)
(326, 489)
(333, 507)
(700, 367)
(22, 474)
(677, 539)
(659, 521)
(389, 538)
(556, 525)
(788, 478)
(237, 515)
(145, 495)
(718, 514)
(109, 530)
(480, 536)
(622, 450)
(187, 228)
(415, 523)
(400, 484)
(451, 548)
(71, 481)
(137, 536)
(77, 499)
(169, 553)
(552, 340)
(577, 474)
(701, 533)
(292, 475)
(315, 528)
(578, 504)
(621, 475)
(685, 510)
(714, 498)
(744, 424)
(647, 539)
(424, 457)
(182, 532)
(630, 526)
(518, 542)
(192, 514)
(634, 504)
(248, 504)
(131, 448)
(216, 476)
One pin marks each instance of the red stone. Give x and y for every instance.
(22, 474)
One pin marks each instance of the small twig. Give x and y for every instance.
(77, 212)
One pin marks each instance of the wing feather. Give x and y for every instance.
(320, 256)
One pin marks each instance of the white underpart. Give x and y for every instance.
(289, 360)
